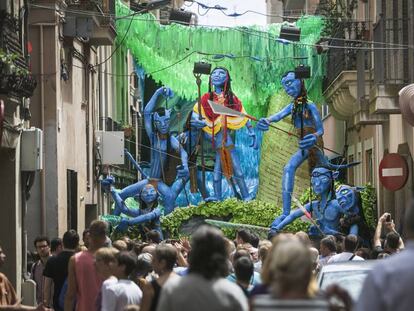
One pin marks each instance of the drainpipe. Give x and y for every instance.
(42, 125)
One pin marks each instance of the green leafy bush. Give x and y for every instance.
(251, 213)
(369, 205)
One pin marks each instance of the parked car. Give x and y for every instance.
(349, 275)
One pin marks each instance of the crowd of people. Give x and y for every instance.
(213, 272)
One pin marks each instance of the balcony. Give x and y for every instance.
(97, 23)
(391, 66)
(15, 80)
(348, 77)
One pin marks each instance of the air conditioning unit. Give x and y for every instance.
(110, 147)
(31, 150)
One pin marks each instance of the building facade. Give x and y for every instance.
(16, 87)
(373, 61)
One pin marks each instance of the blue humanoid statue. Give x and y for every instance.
(308, 123)
(326, 211)
(162, 144)
(147, 217)
(353, 220)
(157, 126)
(217, 129)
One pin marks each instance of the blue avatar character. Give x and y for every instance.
(217, 129)
(353, 220)
(147, 217)
(326, 211)
(157, 126)
(308, 123)
(162, 145)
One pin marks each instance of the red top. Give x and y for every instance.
(237, 105)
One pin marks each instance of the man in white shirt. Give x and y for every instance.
(350, 245)
(124, 292)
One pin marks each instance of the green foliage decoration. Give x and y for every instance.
(369, 204)
(254, 58)
(251, 213)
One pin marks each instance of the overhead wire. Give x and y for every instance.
(133, 16)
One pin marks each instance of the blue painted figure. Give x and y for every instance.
(326, 211)
(308, 123)
(162, 144)
(157, 126)
(147, 217)
(348, 200)
(217, 129)
(353, 220)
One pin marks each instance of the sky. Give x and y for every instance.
(216, 17)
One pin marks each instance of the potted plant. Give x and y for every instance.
(128, 130)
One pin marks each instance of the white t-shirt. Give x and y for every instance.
(194, 292)
(120, 294)
(344, 256)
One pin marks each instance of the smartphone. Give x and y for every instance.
(388, 219)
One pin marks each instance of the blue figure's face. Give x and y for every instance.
(321, 180)
(162, 123)
(149, 194)
(291, 85)
(218, 77)
(346, 196)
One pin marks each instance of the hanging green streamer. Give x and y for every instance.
(256, 69)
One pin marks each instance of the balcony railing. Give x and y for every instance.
(391, 66)
(342, 56)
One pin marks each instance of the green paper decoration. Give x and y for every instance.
(156, 46)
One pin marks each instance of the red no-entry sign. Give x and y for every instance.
(393, 171)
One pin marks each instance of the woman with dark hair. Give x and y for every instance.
(205, 286)
(163, 263)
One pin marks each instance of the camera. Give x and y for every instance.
(302, 72)
(202, 68)
(388, 219)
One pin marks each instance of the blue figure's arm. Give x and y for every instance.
(156, 213)
(289, 219)
(263, 124)
(281, 114)
(149, 108)
(120, 207)
(120, 196)
(183, 171)
(317, 119)
(125, 222)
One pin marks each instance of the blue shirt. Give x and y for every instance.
(389, 286)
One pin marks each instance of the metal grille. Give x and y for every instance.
(345, 56)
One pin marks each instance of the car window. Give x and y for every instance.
(352, 281)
